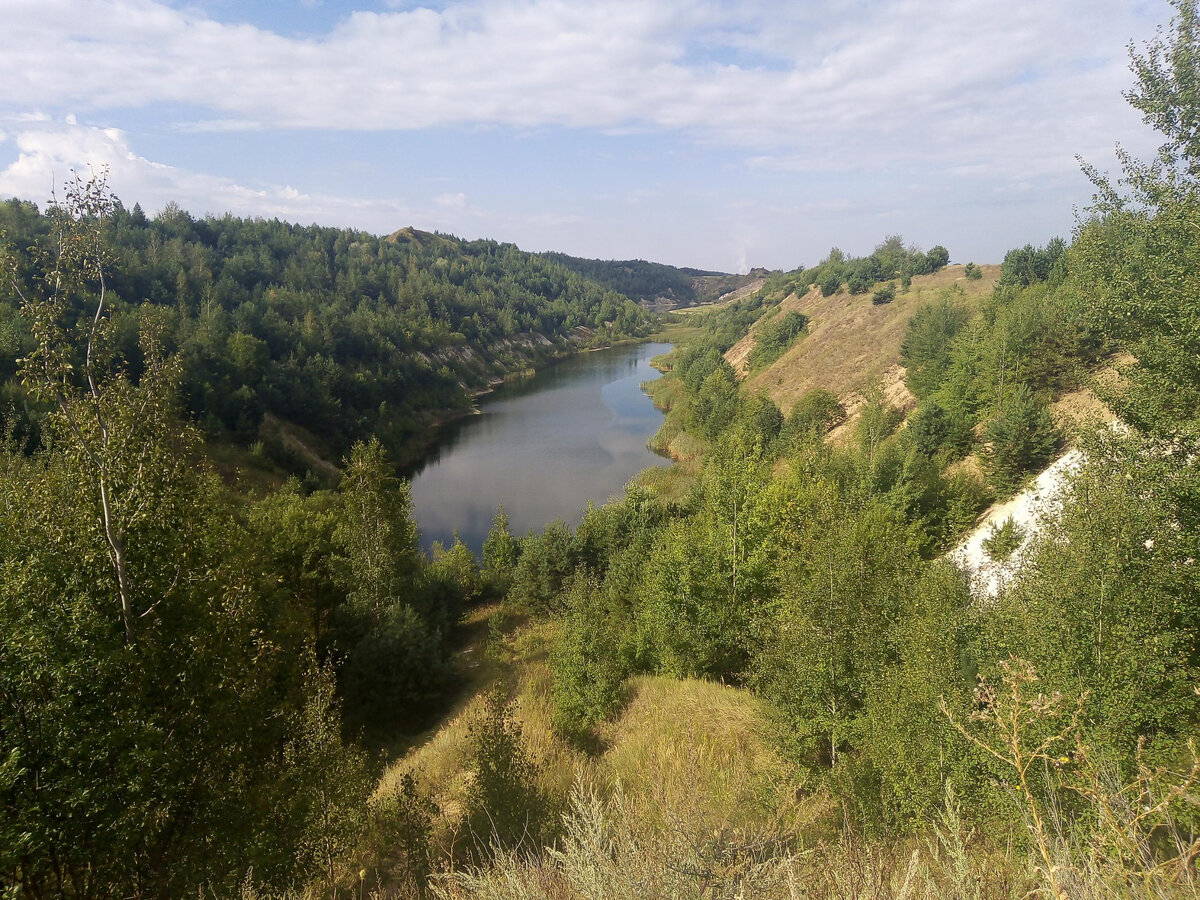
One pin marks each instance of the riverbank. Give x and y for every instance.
(543, 446)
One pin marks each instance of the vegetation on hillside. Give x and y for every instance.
(347, 335)
(654, 284)
(763, 681)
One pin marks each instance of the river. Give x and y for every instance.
(543, 447)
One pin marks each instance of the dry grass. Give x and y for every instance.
(609, 854)
(851, 341)
(698, 746)
(681, 751)
(441, 766)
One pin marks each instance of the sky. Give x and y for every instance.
(719, 134)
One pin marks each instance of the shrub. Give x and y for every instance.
(830, 284)
(859, 283)
(885, 294)
(775, 336)
(505, 805)
(972, 271)
(1004, 540)
(1023, 437)
(813, 415)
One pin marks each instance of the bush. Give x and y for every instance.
(1004, 540)
(545, 563)
(505, 805)
(1023, 438)
(859, 283)
(972, 271)
(933, 427)
(885, 294)
(830, 284)
(776, 336)
(813, 415)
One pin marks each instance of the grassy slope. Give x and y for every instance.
(851, 341)
(691, 747)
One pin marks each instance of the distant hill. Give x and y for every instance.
(331, 334)
(655, 285)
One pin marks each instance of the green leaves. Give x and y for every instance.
(1022, 437)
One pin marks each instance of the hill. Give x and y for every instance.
(333, 331)
(656, 285)
(851, 341)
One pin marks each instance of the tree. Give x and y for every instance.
(1138, 257)
(830, 284)
(925, 351)
(76, 265)
(391, 631)
(938, 257)
(152, 672)
(845, 588)
(545, 563)
(377, 532)
(813, 415)
(891, 255)
(1022, 437)
(500, 552)
(505, 807)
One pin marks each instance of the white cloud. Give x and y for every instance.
(48, 154)
(451, 201)
(966, 82)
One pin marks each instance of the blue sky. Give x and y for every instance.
(720, 134)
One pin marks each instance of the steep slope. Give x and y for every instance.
(851, 341)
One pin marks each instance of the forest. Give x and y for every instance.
(341, 333)
(755, 675)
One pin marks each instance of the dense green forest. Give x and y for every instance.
(651, 283)
(636, 278)
(199, 689)
(342, 333)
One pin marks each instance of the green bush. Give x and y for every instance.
(775, 336)
(885, 294)
(1004, 540)
(505, 805)
(813, 415)
(1022, 438)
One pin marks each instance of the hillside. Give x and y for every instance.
(851, 341)
(656, 286)
(334, 331)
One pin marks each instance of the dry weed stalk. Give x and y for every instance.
(1013, 714)
(1133, 819)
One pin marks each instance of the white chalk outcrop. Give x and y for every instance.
(1029, 510)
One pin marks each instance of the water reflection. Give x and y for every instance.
(543, 447)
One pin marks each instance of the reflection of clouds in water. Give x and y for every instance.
(544, 452)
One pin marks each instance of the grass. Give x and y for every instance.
(679, 750)
(246, 471)
(677, 737)
(697, 748)
(851, 341)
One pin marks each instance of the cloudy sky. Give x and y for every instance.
(711, 133)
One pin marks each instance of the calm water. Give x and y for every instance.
(543, 447)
